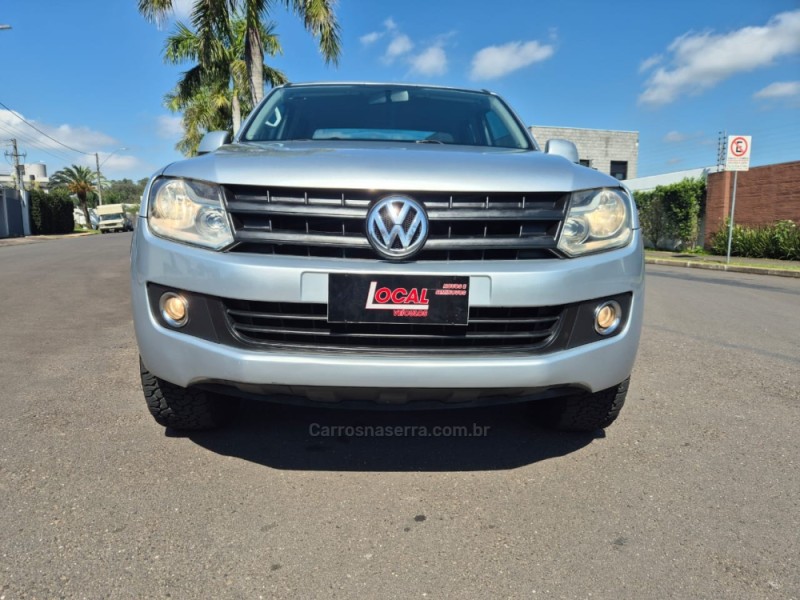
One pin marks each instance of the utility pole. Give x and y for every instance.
(722, 150)
(99, 189)
(19, 169)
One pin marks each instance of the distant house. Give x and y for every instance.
(35, 175)
(615, 153)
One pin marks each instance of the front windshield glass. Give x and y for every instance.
(386, 113)
(111, 217)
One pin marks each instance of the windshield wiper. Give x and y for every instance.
(429, 141)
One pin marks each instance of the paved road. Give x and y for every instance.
(693, 493)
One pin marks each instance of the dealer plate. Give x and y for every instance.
(415, 299)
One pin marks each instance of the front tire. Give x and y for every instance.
(185, 408)
(583, 412)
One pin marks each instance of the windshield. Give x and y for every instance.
(387, 113)
(111, 217)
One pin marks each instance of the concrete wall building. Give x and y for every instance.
(763, 195)
(651, 182)
(613, 152)
(35, 175)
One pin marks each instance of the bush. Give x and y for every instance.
(780, 240)
(672, 212)
(51, 213)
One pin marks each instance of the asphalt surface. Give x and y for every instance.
(693, 493)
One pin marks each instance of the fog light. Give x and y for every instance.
(607, 317)
(174, 309)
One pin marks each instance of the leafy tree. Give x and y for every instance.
(51, 212)
(212, 19)
(220, 72)
(123, 191)
(672, 211)
(79, 181)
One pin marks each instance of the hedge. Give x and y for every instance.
(51, 213)
(779, 240)
(672, 212)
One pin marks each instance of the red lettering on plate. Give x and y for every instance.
(388, 299)
(383, 295)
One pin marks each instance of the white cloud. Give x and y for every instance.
(120, 162)
(699, 61)
(389, 24)
(431, 62)
(400, 44)
(497, 61)
(370, 38)
(675, 137)
(169, 127)
(779, 89)
(649, 63)
(80, 138)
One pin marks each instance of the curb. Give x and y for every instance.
(721, 267)
(35, 239)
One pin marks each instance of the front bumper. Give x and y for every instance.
(187, 361)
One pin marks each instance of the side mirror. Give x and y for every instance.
(563, 148)
(213, 140)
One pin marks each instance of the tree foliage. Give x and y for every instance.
(779, 240)
(228, 40)
(51, 213)
(124, 191)
(672, 212)
(215, 92)
(77, 180)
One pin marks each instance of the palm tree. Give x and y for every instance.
(222, 72)
(78, 180)
(213, 18)
(207, 109)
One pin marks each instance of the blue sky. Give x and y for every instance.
(90, 74)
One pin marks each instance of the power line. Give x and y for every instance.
(31, 141)
(21, 118)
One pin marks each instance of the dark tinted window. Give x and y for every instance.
(386, 113)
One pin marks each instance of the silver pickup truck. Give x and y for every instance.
(386, 245)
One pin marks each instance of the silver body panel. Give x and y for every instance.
(388, 166)
(185, 360)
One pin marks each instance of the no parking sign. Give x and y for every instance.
(738, 158)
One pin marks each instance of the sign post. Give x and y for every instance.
(737, 159)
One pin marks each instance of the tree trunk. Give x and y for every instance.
(85, 208)
(236, 109)
(254, 59)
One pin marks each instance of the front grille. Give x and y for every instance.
(330, 223)
(305, 326)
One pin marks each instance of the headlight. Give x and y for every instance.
(189, 211)
(597, 220)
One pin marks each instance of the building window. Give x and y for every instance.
(586, 162)
(619, 169)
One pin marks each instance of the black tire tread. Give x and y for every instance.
(184, 408)
(586, 412)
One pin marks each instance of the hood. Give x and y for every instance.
(389, 166)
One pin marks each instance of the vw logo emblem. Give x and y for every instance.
(397, 227)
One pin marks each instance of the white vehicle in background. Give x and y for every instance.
(113, 218)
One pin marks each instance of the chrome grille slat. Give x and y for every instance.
(330, 223)
(301, 325)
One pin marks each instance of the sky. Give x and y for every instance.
(90, 73)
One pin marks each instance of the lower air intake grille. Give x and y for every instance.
(305, 326)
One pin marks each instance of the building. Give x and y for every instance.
(613, 152)
(645, 184)
(35, 175)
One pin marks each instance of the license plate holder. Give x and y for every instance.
(413, 299)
